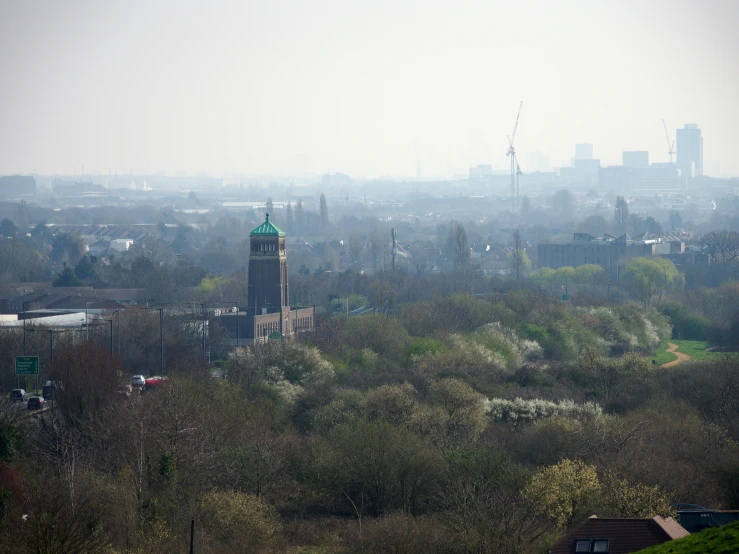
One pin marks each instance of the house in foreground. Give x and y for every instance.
(618, 536)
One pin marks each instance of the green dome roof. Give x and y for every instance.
(267, 229)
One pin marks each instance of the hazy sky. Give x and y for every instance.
(286, 86)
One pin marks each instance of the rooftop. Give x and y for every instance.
(267, 229)
(622, 535)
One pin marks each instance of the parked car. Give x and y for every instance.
(138, 381)
(18, 395)
(156, 381)
(36, 402)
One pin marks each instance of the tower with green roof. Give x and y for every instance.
(268, 315)
(268, 289)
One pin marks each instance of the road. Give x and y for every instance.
(681, 356)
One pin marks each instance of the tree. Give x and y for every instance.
(595, 225)
(518, 260)
(66, 278)
(8, 228)
(653, 227)
(562, 491)
(356, 249)
(636, 224)
(299, 218)
(86, 267)
(626, 500)
(392, 403)
(676, 220)
(643, 276)
(563, 202)
(457, 247)
(290, 218)
(324, 211)
(237, 522)
(67, 248)
(456, 417)
(20, 261)
(85, 393)
(621, 215)
(525, 207)
(481, 496)
(721, 246)
(379, 467)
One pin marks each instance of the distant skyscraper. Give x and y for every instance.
(583, 151)
(690, 150)
(636, 159)
(537, 161)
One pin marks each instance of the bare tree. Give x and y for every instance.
(457, 245)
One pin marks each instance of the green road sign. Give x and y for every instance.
(275, 336)
(26, 365)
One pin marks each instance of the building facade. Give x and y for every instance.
(608, 251)
(690, 150)
(638, 158)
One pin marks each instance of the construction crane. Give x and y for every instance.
(670, 146)
(515, 170)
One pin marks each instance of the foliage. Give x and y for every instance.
(534, 410)
(644, 276)
(625, 500)
(67, 278)
(237, 521)
(562, 491)
(721, 246)
(588, 274)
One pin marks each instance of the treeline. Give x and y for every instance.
(461, 424)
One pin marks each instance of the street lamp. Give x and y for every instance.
(24, 326)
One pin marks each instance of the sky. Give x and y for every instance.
(292, 87)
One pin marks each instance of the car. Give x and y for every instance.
(48, 391)
(18, 395)
(36, 402)
(138, 381)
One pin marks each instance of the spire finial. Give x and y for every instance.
(267, 216)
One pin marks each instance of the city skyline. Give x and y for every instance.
(288, 89)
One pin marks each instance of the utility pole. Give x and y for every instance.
(394, 235)
(202, 307)
(161, 339)
(111, 336)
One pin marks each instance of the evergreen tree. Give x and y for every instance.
(324, 211)
(290, 220)
(621, 215)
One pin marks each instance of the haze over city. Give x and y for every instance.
(348, 277)
(368, 89)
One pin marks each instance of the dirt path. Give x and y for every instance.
(681, 356)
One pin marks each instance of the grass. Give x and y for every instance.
(696, 349)
(720, 540)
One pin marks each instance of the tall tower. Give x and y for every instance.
(690, 150)
(268, 290)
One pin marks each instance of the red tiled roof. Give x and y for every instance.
(624, 535)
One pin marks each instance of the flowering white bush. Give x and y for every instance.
(531, 411)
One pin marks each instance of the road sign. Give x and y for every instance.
(26, 365)
(275, 336)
